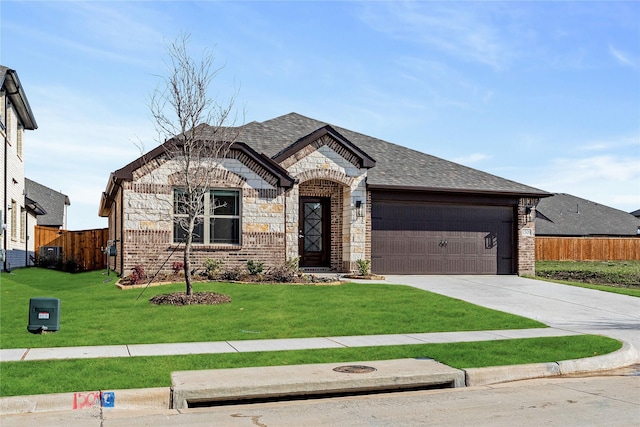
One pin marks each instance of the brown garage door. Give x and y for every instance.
(424, 238)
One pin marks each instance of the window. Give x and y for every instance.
(23, 224)
(19, 141)
(218, 221)
(14, 219)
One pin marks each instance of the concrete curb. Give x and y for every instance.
(626, 356)
(234, 384)
(159, 398)
(146, 398)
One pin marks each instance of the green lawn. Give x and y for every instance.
(97, 313)
(21, 378)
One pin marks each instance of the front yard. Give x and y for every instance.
(95, 312)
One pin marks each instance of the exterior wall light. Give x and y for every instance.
(359, 205)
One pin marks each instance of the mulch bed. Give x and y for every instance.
(181, 298)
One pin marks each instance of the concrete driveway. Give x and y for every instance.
(560, 306)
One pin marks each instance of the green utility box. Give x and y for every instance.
(44, 315)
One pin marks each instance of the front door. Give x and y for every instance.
(314, 232)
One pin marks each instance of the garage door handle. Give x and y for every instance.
(443, 243)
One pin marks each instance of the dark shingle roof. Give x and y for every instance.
(567, 215)
(636, 213)
(52, 201)
(11, 83)
(396, 166)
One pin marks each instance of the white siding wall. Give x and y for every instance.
(16, 243)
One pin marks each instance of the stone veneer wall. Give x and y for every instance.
(324, 160)
(526, 237)
(148, 227)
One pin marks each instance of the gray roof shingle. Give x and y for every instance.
(51, 200)
(567, 215)
(396, 166)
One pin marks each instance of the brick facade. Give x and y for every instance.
(526, 237)
(269, 214)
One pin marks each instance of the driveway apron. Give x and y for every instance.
(560, 306)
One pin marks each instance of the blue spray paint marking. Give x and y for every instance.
(108, 399)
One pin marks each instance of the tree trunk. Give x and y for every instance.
(186, 259)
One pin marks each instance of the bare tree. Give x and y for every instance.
(198, 132)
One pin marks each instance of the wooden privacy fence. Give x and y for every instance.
(587, 248)
(82, 247)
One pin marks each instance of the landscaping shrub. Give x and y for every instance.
(281, 274)
(71, 266)
(177, 267)
(364, 267)
(254, 267)
(137, 275)
(232, 274)
(212, 267)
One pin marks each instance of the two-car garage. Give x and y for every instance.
(427, 237)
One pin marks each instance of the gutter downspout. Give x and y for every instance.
(5, 242)
(26, 237)
(121, 230)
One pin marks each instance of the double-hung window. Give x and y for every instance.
(218, 217)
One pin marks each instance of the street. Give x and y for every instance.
(591, 401)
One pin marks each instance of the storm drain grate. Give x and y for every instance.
(354, 369)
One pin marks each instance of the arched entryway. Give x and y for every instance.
(320, 224)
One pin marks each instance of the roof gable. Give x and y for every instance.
(53, 202)
(327, 135)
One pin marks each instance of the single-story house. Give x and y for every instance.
(570, 216)
(294, 187)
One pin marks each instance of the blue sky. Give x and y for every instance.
(543, 93)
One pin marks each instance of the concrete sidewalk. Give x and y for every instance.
(244, 346)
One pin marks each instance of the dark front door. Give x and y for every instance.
(314, 233)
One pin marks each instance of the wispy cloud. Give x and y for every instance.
(472, 158)
(462, 31)
(613, 143)
(624, 58)
(607, 179)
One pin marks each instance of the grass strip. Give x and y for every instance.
(39, 377)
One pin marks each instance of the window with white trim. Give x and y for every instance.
(23, 224)
(19, 135)
(14, 220)
(218, 221)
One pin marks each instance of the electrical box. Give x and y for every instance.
(44, 315)
(112, 251)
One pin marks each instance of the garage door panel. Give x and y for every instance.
(423, 238)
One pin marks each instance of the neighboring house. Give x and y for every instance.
(636, 213)
(571, 216)
(18, 212)
(297, 187)
(53, 202)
